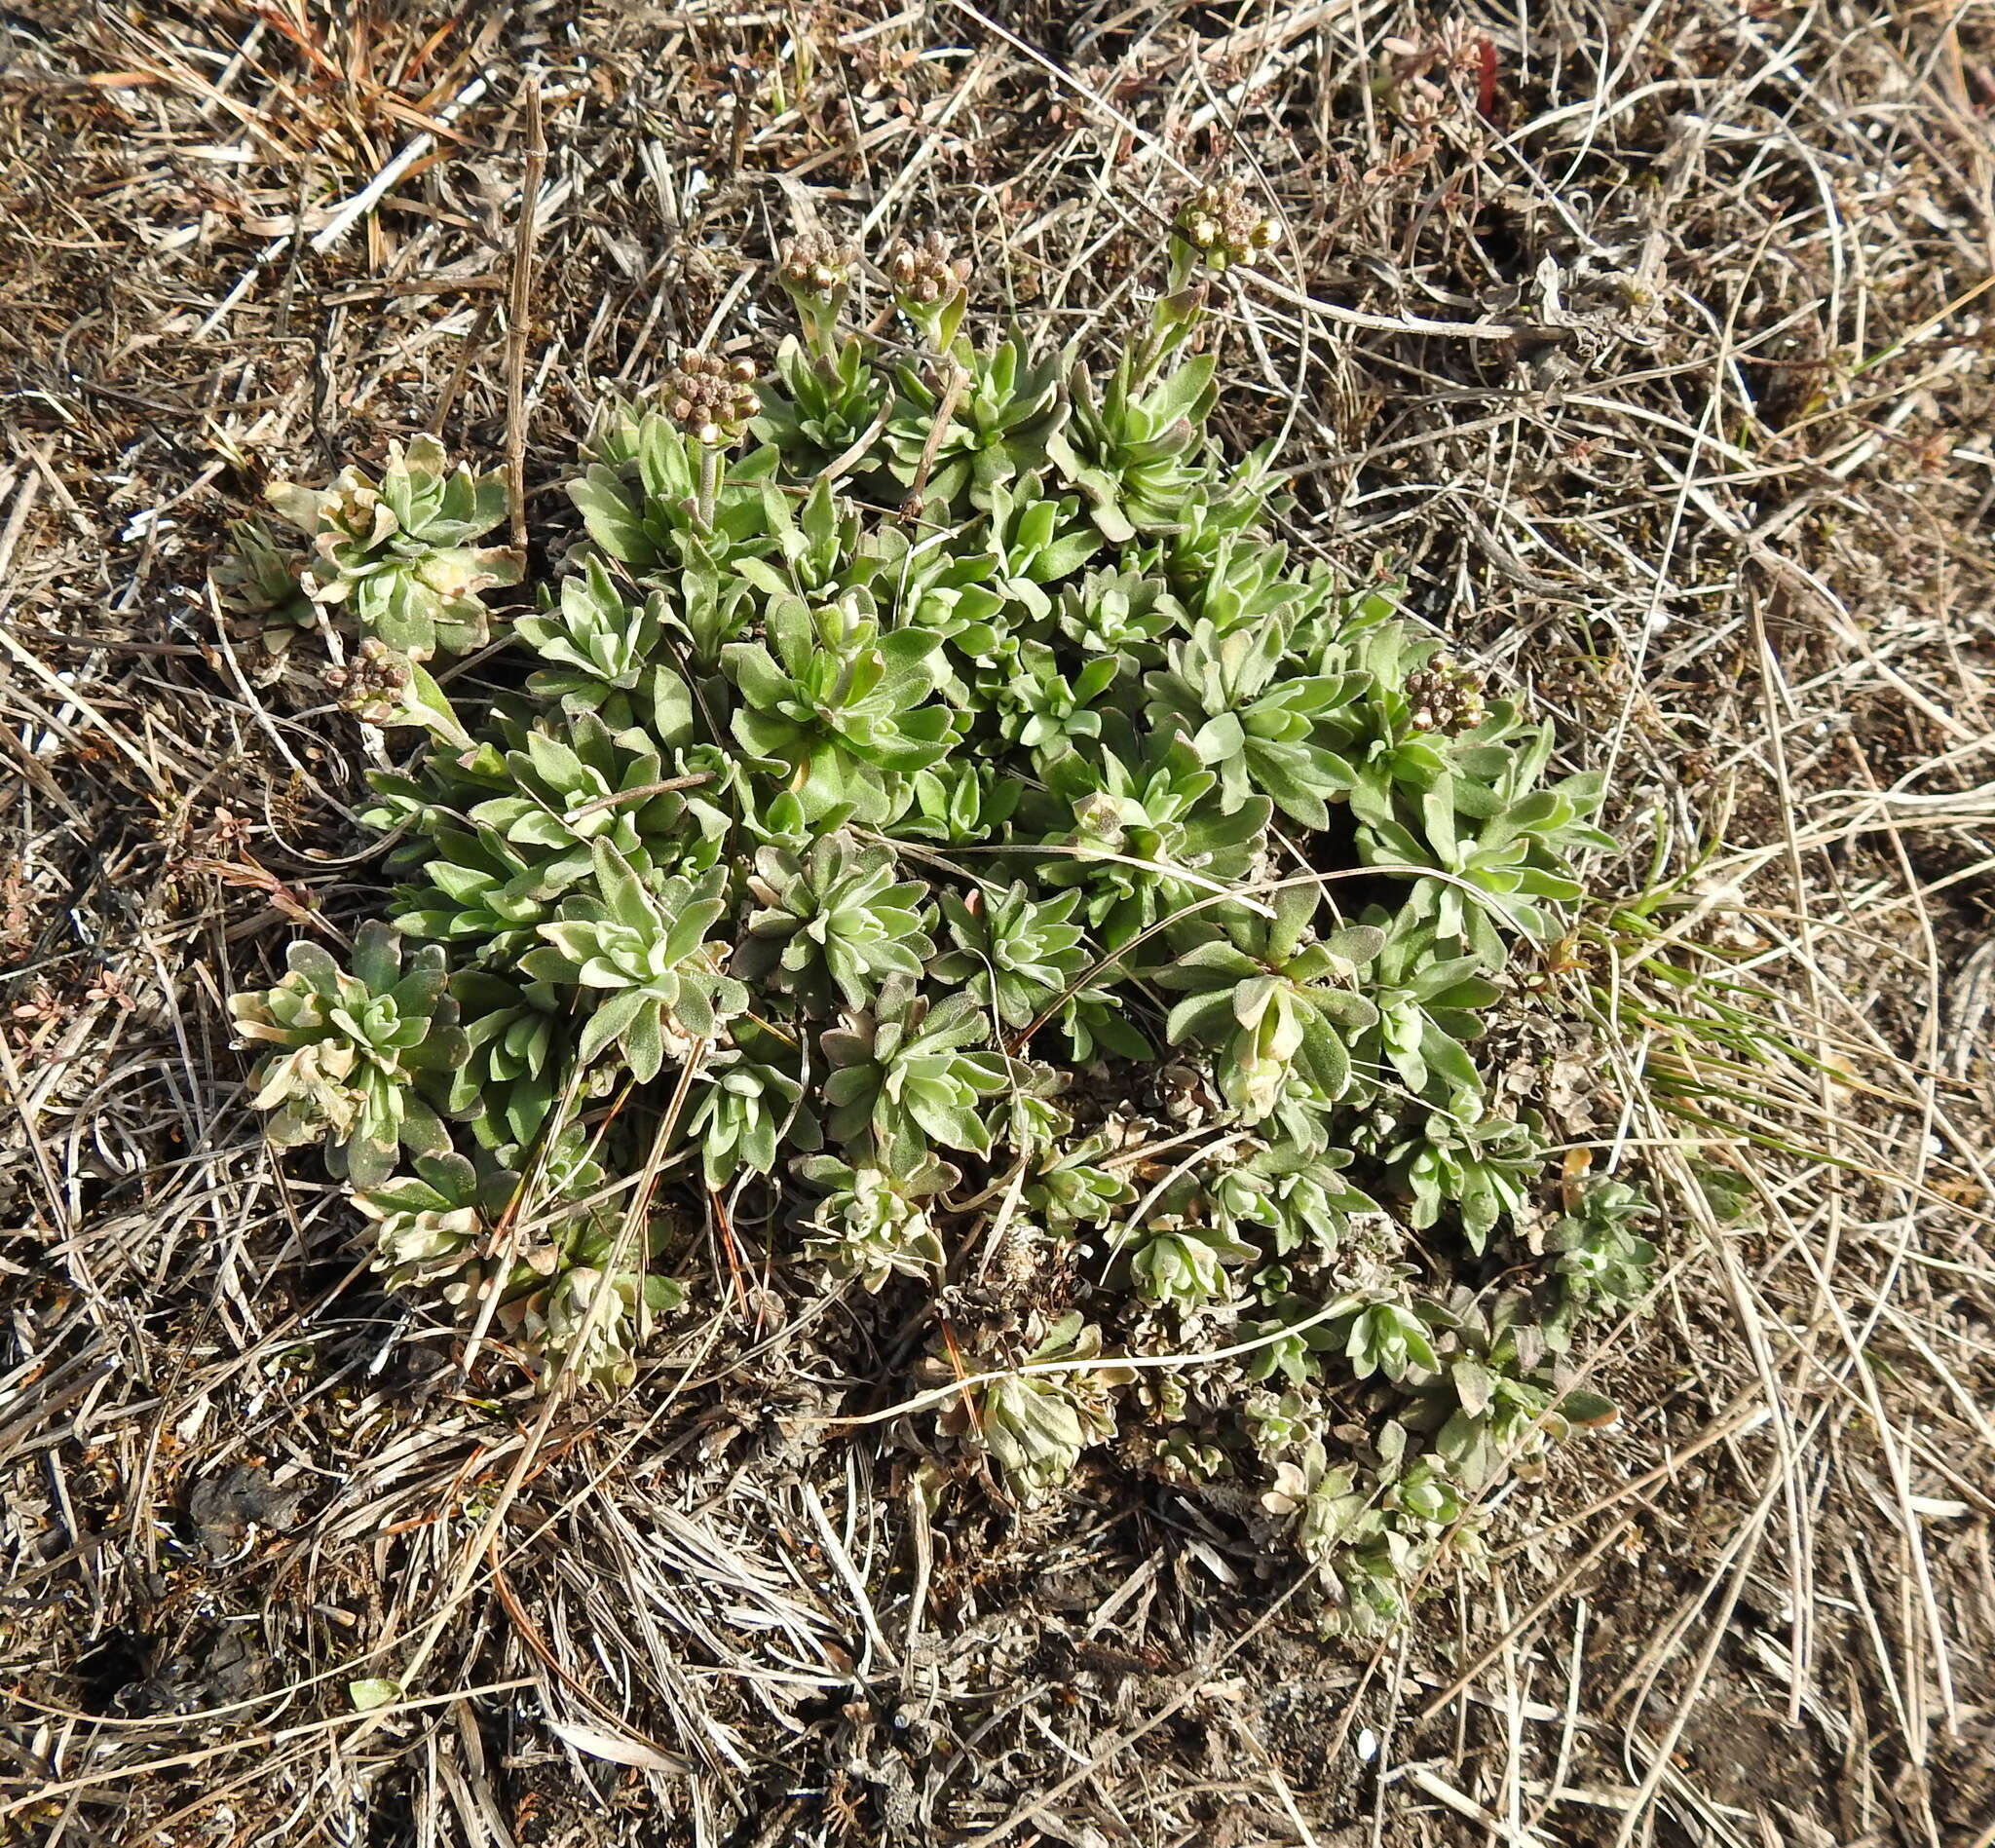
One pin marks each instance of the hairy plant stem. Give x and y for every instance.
(709, 485)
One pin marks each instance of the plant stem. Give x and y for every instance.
(709, 484)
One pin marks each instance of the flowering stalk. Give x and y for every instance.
(711, 399)
(815, 271)
(929, 287)
(1215, 229)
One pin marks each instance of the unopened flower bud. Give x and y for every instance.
(372, 683)
(711, 399)
(813, 264)
(1223, 226)
(924, 273)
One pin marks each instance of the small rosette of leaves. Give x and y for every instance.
(347, 1052)
(875, 1223)
(433, 1229)
(959, 804)
(1261, 728)
(1035, 542)
(1120, 616)
(838, 707)
(748, 1109)
(1272, 1004)
(397, 552)
(833, 924)
(1499, 851)
(1035, 1426)
(1298, 1201)
(1071, 1187)
(1044, 706)
(1144, 839)
(642, 957)
(1014, 953)
(592, 1319)
(259, 581)
(1133, 448)
(1391, 1337)
(678, 512)
(904, 1076)
(1482, 1167)
(1600, 1262)
(598, 642)
(1429, 1006)
(571, 787)
(1498, 1399)
(485, 892)
(1002, 412)
(516, 1041)
(1185, 1265)
(822, 407)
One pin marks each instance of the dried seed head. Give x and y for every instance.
(1444, 698)
(813, 264)
(1223, 227)
(711, 399)
(924, 273)
(1020, 1254)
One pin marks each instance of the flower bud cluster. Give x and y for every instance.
(925, 274)
(1444, 697)
(711, 399)
(814, 264)
(1224, 227)
(373, 684)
